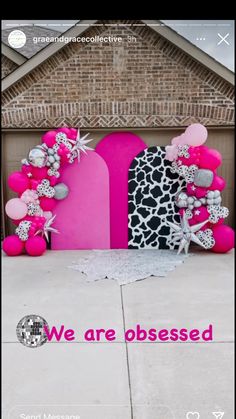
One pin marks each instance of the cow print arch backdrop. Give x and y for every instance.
(152, 190)
(121, 195)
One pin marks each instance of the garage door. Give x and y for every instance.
(17, 144)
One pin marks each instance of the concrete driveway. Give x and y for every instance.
(118, 380)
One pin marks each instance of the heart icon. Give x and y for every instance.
(192, 415)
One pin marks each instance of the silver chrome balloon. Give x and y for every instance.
(61, 191)
(181, 199)
(38, 157)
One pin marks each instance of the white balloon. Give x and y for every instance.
(216, 193)
(210, 194)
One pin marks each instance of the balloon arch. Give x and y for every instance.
(38, 187)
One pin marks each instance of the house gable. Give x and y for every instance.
(145, 82)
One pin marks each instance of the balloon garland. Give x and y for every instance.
(201, 201)
(38, 189)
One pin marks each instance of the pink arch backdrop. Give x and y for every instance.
(84, 216)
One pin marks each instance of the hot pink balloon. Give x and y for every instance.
(194, 157)
(39, 172)
(219, 222)
(224, 239)
(205, 227)
(40, 221)
(26, 218)
(209, 158)
(47, 204)
(73, 133)
(18, 182)
(34, 183)
(64, 153)
(35, 246)
(200, 214)
(218, 183)
(26, 169)
(16, 209)
(53, 180)
(196, 190)
(66, 131)
(200, 192)
(49, 138)
(13, 246)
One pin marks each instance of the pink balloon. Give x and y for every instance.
(218, 183)
(171, 152)
(39, 172)
(18, 182)
(13, 246)
(16, 209)
(224, 238)
(49, 138)
(195, 135)
(209, 158)
(29, 196)
(35, 246)
(47, 204)
(178, 140)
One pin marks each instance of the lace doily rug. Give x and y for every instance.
(126, 266)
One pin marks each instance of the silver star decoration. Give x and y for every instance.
(80, 145)
(47, 228)
(184, 233)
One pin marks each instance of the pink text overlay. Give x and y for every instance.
(137, 333)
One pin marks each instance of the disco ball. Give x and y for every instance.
(30, 331)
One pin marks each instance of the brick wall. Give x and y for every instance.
(7, 66)
(147, 83)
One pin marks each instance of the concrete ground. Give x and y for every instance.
(118, 380)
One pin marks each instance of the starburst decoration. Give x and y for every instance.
(80, 145)
(184, 233)
(47, 228)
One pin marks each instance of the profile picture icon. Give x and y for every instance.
(17, 39)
